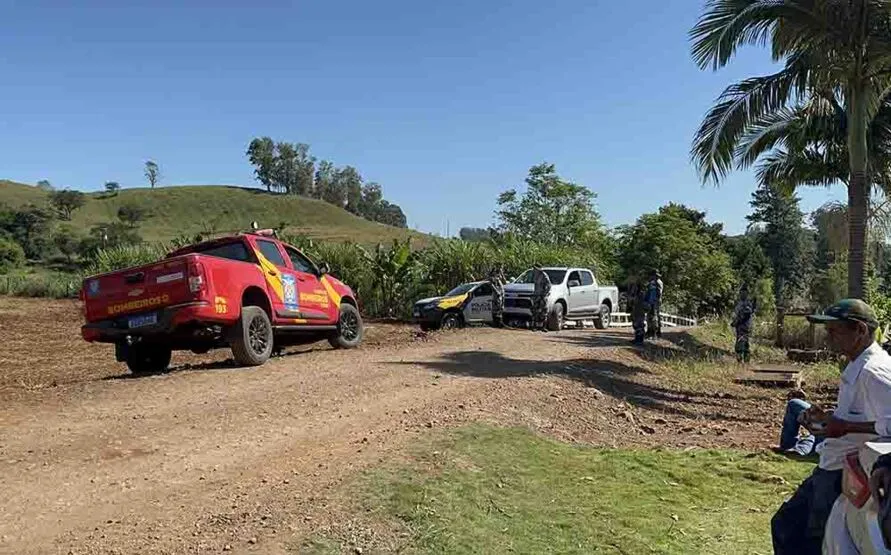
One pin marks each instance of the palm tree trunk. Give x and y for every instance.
(858, 193)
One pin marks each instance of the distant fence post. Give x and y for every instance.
(781, 315)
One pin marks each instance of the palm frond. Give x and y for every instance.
(739, 106)
(787, 170)
(728, 24)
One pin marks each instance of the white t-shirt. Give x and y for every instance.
(864, 395)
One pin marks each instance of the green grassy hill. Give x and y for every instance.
(192, 209)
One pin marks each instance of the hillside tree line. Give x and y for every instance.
(290, 168)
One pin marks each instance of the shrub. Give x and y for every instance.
(124, 256)
(12, 255)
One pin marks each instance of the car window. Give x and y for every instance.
(554, 276)
(231, 251)
(270, 250)
(300, 262)
(460, 290)
(587, 278)
(482, 290)
(574, 276)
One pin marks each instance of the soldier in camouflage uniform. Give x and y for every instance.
(653, 300)
(497, 279)
(638, 311)
(743, 317)
(540, 299)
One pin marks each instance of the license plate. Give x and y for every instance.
(142, 320)
(417, 314)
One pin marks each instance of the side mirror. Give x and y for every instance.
(574, 283)
(324, 268)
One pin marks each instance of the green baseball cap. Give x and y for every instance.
(853, 310)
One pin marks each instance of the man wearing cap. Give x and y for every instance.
(863, 412)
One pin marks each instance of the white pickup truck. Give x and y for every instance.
(575, 296)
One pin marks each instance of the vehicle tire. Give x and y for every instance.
(605, 317)
(451, 321)
(349, 328)
(555, 317)
(148, 359)
(252, 344)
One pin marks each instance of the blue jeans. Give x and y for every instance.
(789, 438)
(798, 526)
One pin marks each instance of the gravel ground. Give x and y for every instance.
(212, 458)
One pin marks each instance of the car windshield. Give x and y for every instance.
(460, 290)
(555, 276)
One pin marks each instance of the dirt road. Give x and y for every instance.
(210, 458)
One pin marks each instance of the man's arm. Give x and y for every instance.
(878, 402)
(836, 427)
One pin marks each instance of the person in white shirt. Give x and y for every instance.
(863, 412)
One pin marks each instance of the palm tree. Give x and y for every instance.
(829, 49)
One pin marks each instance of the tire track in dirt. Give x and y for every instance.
(129, 462)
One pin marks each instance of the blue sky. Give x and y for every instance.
(446, 104)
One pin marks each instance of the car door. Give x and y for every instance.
(591, 292)
(312, 296)
(575, 294)
(281, 284)
(479, 306)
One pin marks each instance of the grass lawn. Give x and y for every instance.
(704, 360)
(481, 489)
(172, 211)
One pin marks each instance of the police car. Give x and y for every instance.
(469, 303)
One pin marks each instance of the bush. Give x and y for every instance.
(12, 255)
(387, 280)
(55, 286)
(124, 256)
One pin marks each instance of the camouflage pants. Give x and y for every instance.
(654, 322)
(497, 308)
(742, 344)
(539, 312)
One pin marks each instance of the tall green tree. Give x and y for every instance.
(551, 210)
(306, 166)
(323, 181)
(67, 242)
(152, 173)
(66, 202)
(11, 254)
(31, 227)
(349, 181)
(261, 153)
(336, 192)
(391, 214)
(286, 170)
(838, 46)
(132, 215)
(112, 188)
(370, 204)
(695, 267)
(750, 264)
(781, 234)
